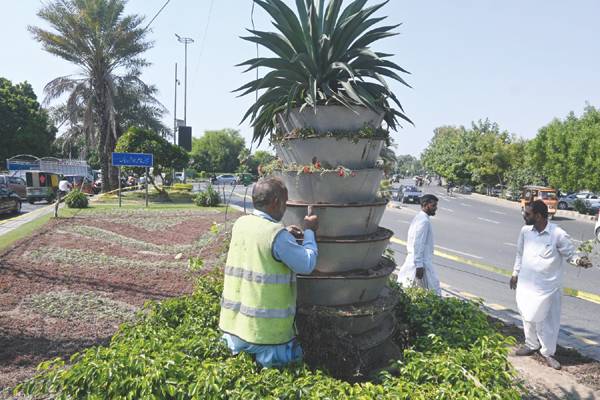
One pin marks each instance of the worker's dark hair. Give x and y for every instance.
(265, 190)
(539, 207)
(428, 198)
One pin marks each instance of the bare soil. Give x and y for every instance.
(29, 336)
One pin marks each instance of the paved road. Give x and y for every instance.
(25, 208)
(485, 231)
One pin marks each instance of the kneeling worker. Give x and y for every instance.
(258, 305)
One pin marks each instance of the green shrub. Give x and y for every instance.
(174, 351)
(208, 198)
(580, 207)
(76, 199)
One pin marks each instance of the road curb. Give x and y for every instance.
(580, 294)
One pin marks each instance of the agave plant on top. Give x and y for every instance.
(322, 56)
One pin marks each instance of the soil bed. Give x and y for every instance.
(62, 291)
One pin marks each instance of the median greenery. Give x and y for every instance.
(76, 199)
(174, 351)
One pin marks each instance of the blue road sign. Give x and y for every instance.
(132, 159)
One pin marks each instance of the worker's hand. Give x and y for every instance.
(584, 262)
(296, 231)
(420, 273)
(311, 222)
(513, 282)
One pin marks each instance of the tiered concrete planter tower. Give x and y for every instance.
(345, 300)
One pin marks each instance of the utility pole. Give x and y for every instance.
(185, 41)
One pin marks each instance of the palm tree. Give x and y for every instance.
(107, 46)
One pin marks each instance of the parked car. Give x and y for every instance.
(225, 179)
(497, 190)
(10, 202)
(465, 189)
(566, 202)
(14, 184)
(584, 194)
(592, 203)
(597, 227)
(512, 196)
(409, 194)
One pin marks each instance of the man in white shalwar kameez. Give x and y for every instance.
(543, 249)
(418, 269)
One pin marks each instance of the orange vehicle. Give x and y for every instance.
(546, 194)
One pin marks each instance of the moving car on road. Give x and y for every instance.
(14, 184)
(409, 194)
(9, 202)
(546, 194)
(225, 179)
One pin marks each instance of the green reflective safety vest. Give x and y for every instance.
(259, 292)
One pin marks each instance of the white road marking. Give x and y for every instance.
(460, 252)
(446, 209)
(465, 205)
(510, 244)
(497, 212)
(488, 220)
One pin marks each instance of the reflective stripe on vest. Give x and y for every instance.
(257, 312)
(259, 277)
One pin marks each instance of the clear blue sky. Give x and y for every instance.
(519, 63)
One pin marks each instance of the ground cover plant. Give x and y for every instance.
(71, 283)
(174, 351)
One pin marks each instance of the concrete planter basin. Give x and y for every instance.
(339, 219)
(330, 150)
(323, 119)
(344, 254)
(358, 319)
(329, 187)
(344, 289)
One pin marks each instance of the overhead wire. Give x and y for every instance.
(156, 15)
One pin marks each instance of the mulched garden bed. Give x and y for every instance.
(70, 284)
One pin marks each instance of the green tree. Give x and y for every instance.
(217, 151)
(566, 151)
(408, 165)
(448, 154)
(25, 127)
(107, 47)
(166, 155)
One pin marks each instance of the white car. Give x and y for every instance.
(597, 227)
(225, 179)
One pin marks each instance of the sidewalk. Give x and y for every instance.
(11, 224)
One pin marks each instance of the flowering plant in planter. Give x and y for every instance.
(322, 56)
(314, 168)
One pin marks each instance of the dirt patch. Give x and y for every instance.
(62, 290)
(584, 370)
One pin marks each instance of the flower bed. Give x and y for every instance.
(174, 351)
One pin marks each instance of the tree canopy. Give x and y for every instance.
(166, 155)
(568, 151)
(217, 151)
(25, 127)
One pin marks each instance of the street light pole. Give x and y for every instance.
(185, 41)
(175, 108)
